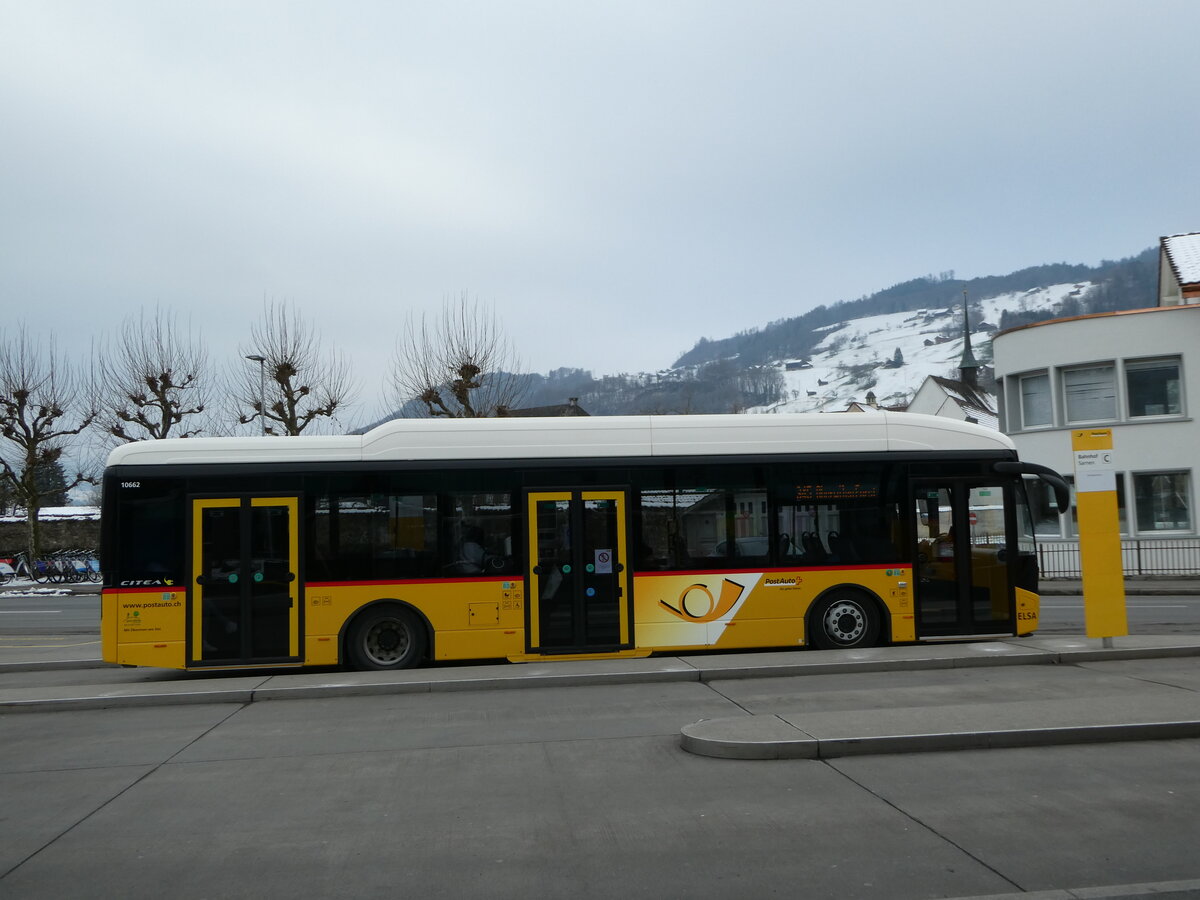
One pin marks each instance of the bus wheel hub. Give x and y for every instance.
(386, 641)
(844, 621)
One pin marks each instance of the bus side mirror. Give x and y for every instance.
(1062, 492)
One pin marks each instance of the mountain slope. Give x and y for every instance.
(890, 355)
(1124, 284)
(849, 348)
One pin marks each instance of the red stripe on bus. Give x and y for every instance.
(855, 568)
(160, 589)
(382, 581)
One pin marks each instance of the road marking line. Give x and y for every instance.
(28, 612)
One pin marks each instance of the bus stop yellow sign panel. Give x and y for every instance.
(1099, 533)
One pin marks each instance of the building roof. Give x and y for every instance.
(571, 408)
(1101, 315)
(1183, 253)
(977, 405)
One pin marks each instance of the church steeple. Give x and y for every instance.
(968, 367)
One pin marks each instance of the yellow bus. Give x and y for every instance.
(523, 539)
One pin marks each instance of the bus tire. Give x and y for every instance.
(385, 637)
(843, 619)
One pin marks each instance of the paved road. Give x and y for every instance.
(1147, 615)
(48, 610)
(576, 791)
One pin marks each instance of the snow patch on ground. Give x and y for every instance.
(35, 592)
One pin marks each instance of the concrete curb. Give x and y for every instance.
(55, 665)
(773, 737)
(1165, 890)
(124, 701)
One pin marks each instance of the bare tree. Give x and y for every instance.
(457, 365)
(43, 403)
(295, 383)
(154, 378)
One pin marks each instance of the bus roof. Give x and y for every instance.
(581, 437)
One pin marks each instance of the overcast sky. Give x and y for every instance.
(617, 179)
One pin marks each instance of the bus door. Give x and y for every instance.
(963, 536)
(245, 581)
(578, 586)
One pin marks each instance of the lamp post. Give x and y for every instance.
(262, 390)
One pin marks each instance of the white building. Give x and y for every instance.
(1136, 372)
(960, 399)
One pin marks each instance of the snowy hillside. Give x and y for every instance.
(861, 355)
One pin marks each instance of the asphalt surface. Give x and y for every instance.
(845, 708)
(1158, 697)
(1139, 688)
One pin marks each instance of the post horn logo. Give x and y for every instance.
(697, 604)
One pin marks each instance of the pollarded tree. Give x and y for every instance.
(296, 384)
(43, 403)
(458, 365)
(154, 376)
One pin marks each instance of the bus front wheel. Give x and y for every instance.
(845, 619)
(386, 637)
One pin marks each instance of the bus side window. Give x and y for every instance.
(357, 535)
(150, 537)
(480, 534)
(657, 531)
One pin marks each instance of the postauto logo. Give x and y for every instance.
(696, 602)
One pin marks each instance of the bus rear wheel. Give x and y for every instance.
(386, 637)
(845, 619)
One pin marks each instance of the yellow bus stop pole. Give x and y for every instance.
(1099, 535)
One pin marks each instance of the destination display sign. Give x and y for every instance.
(826, 492)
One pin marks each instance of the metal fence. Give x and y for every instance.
(1139, 556)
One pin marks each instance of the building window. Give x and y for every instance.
(1163, 501)
(1089, 393)
(1072, 522)
(1153, 386)
(1035, 400)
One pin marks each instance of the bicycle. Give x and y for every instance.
(23, 570)
(40, 571)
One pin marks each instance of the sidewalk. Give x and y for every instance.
(1067, 690)
(803, 703)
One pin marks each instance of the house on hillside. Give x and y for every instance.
(1179, 270)
(872, 405)
(962, 398)
(570, 408)
(1136, 372)
(955, 399)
